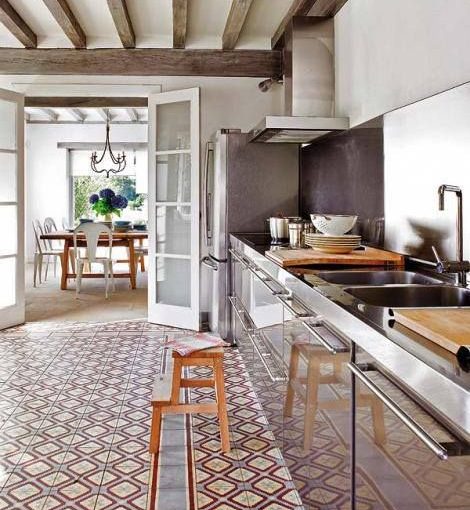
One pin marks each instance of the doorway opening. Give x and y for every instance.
(59, 184)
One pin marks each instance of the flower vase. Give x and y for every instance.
(108, 220)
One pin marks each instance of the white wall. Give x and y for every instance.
(225, 103)
(390, 53)
(426, 144)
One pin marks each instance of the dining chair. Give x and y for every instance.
(140, 252)
(43, 249)
(50, 226)
(92, 232)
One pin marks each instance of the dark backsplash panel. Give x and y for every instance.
(344, 174)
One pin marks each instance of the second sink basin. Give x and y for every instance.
(412, 296)
(376, 278)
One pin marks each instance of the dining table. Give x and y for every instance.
(119, 239)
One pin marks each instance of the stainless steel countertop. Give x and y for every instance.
(431, 374)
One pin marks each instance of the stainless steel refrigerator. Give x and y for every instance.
(243, 184)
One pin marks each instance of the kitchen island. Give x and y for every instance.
(418, 422)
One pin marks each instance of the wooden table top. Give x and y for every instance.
(63, 235)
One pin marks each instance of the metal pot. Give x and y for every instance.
(279, 228)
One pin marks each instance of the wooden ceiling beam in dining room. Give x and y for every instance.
(64, 16)
(326, 7)
(141, 62)
(132, 114)
(235, 21)
(180, 23)
(16, 25)
(50, 114)
(104, 114)
(78, 115)
(122, 21)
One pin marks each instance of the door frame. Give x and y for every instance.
(15, 314)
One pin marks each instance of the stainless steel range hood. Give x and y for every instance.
(308, 86)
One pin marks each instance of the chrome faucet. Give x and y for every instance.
(460, 266)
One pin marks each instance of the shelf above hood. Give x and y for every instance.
(283, 129)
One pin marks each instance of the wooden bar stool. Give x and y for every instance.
(166, 393)
(307, 389)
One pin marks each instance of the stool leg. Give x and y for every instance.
(221, 404)
(154, 444)
(176, 381)
(378, 422)
(293, 367)
(313, 380)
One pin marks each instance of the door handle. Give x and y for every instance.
(442, 451)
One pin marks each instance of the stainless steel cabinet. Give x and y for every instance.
(419, 465)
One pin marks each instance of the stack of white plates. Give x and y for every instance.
(333, 244)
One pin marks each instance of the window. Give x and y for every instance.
(131, 183)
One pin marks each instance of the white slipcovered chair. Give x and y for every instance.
(92, 232)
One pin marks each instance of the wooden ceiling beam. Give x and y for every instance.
(132, 114)
(298, 8)
(64, 16)
(78, 115)
(16, 25)
(50, 114)
(235, 21)
(142, 62)
(122, 21)
(180, 23)
(84, 102)
(104, 114)
(327, 7)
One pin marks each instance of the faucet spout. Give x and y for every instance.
(462, 275)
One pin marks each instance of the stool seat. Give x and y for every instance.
(166, 393)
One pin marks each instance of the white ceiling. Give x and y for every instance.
(152, 22)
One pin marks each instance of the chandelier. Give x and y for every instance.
(119, 160)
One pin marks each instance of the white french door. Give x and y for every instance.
(173, 208)
(12, 303)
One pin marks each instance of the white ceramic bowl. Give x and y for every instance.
(333, 224)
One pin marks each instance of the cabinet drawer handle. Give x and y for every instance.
(415, 427)
(273, 377)
(236, 255)
(240, 312)
(329, 347)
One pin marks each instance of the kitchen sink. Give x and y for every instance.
(376, 278)
(412, 296)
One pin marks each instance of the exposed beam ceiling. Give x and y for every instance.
(180, 23)
(16, 25)
(132, 114)
(84, 102)
(68, 22)
(142, 62)
(50, 114)
(298, 8)
(122, 20)
(236, 19)
(76, 114)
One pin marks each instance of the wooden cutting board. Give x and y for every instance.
(449, 328)
(308, 256)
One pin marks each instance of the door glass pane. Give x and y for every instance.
(7, 125)
(173, 126)
(8, 245)
(8, 279)
(174, 178)
(173, 281)
(7, 177)
(174, 229)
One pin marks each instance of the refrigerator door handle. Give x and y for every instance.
(207, 209)
(207, 261)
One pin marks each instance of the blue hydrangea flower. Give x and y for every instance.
(107, 193)
(94, 198)
(119, 202)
